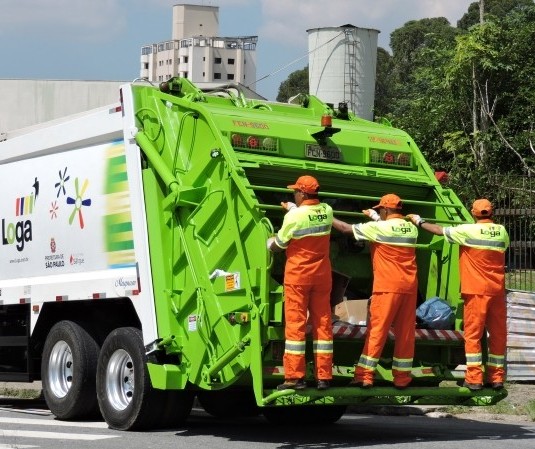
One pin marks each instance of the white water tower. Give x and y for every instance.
(341, 66)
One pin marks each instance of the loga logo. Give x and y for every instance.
(20, 231)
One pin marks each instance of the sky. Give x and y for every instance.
(102, 39)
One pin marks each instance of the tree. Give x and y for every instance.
(445, 72)
(497, 8)
(297, 83)
(384, 82)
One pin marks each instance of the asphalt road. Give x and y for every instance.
(28, 424)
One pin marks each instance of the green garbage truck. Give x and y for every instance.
(134, 273)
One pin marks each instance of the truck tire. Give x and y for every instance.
(68, 371)
(229, 403)
(304, 415)
(125, 395)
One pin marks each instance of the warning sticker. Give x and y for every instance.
(192, 323)
(232, 281)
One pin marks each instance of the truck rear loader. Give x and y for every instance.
(134, 273)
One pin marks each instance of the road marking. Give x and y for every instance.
(43, 422)
(53, 435)
(27, 411)
(15, 446)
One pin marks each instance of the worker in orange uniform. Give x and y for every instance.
(305, 235)
(482, 268)
(394, 293)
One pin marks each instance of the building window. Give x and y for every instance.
(230, 61)
(185, 74)
(146, 65)
(217, 60)
(230, 76)
(203, 74)
(217, 76)
(204, 58)
(185, 59)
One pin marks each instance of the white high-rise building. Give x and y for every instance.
(197, 53)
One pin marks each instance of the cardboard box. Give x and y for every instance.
(354, 311)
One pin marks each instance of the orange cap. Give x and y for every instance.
(482, 208)
(306, 184)
(390, 201)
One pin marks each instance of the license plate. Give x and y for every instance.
(326, 153)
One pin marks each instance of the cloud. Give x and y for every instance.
(286, 21)
(65, 19)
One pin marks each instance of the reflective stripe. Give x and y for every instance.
(305, 221)
(314, 230)
(489, 243)
(280, 243)
(488, 236)
(294, 347)
(497, 361)
(367, 362)
(400, 240)
(396, 232)
(474, 359)
(402, 364)
(323, 346)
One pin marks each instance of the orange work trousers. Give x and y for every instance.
(480, 312)
(396, 310)
(316, 300)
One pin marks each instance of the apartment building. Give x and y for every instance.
(196, 52)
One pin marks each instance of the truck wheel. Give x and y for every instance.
(306, 414)
(126, 398)
(229, 403)
(68, 371)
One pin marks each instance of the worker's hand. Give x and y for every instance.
(270, 242)
(289, 205)
(416, 219)
(372, 213)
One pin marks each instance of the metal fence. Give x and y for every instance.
(514, 207)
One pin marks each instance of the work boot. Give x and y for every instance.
(323, 384)
(497, 386)
(292, 384)
(473, 387)
(360, 384)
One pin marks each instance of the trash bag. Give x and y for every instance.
(435, 313)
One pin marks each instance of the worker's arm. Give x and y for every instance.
(342, 226)
(433, 228)
(429, 227)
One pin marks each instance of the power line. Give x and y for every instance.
(295, 60)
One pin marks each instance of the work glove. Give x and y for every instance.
(416, 219)
(289, 205)
(270, 242)
(372, 213)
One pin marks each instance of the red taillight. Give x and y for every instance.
(388, 158)
(252, 142)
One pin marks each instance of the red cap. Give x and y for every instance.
(482, 208)
(390, 201)
(306, 184)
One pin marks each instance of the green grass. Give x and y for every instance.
(20, 393)
(504, 407)
(530, 406)
(520, 280)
